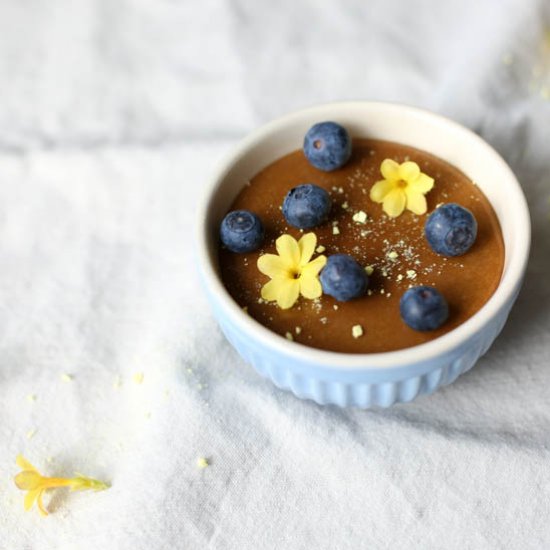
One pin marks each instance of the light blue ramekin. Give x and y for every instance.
(378, 379)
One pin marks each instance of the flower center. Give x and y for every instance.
(295, 273)
(401, 184)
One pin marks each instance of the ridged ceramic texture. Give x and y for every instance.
(363, 388)
(367, 380)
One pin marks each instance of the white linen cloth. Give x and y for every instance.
(112, 115)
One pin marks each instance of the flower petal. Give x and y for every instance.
(310, 287)
(394, 203)
(409, 171)
(41, 507)
(416, 202)
(288, 249)
(380, 189)
(313, 267)
(30, 497)
(390, 169)
(24, 464)
(288, 293)
(422, 184)
(273, 266)
(306, 244)
(29, 480)
(270, 290)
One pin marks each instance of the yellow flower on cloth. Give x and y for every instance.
(32, 481)
(291, 272)
(403, 186)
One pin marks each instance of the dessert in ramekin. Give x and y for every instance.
(350, 376)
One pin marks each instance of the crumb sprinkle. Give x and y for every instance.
(360, 217)
(202, 462)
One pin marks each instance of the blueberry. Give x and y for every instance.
(451, 230)
(241, 231)
(327, 146)
(343, 278)
(423, 308)
(306, 206)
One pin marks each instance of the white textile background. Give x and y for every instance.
(112, 115)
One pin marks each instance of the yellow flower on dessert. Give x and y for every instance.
(291, 272)
(403, 186)
(32, 481)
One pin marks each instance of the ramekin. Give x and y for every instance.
(376, 379)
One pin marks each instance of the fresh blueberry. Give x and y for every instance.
(327, 146)
(306, 206)
(343, 278)
(451, 230)
(423, 308)
(241, 231)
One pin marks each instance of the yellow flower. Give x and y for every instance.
(403, 186)
(32, 481)
(291, 272)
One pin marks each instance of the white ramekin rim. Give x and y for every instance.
(503, 296)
